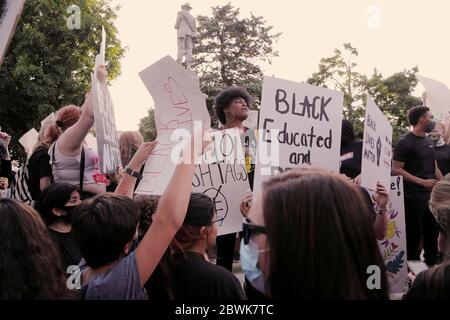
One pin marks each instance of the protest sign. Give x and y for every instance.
(437, 95)
(105, 121)
(178, 104)
(305, 122)
(29, 141)
(223, 177)
(393, 246)
(8, 23)
(377, 148)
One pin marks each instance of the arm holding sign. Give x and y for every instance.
(71, 140)
(127, 183)
(169, 216)
(381, 198)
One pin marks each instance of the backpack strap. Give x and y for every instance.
(82, 166)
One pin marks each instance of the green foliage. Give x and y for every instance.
(147, 126)
(228, 50)
(392, 94)
(48, 66)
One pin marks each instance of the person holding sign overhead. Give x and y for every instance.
(414, 159)
(72, 160)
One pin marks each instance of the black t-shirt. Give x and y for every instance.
(423, 289)
(351, 157)
(38, 167)
(67, 246)
(197, 279)
(443, 158)
(418, 155)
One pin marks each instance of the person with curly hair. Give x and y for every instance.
(30, 266)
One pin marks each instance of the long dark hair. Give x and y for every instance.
(56, 195)
(30, 266)
(320, 236)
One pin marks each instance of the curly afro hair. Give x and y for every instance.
(223, 100)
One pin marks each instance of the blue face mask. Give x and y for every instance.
(249, 254)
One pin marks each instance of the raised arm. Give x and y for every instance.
(71, 140)
(127, 183)
(169, 216)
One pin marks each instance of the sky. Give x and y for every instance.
(390, 35)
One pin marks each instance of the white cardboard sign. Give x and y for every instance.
(393, 246)
(309, 123)
(178, 103)
(377, 148)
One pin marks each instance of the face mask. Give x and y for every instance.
(430, 126)
(67, 218)
(249, 254)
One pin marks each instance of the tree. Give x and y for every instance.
(147, 126)
(48, 66)
(2, 8)
(393, 94)
(226, 53)
(228, 50)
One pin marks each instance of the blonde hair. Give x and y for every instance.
(440, 205)
(129, 142)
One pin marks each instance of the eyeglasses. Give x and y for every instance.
(249, 229)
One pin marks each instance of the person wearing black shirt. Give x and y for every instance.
(442, 150)
(351, 151)
(39, 171)
(56, 205)
(414, 159)
(191, 276)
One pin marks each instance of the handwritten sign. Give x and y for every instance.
(8, 23)
(308, 120)
(225, 181)
(377, 148)
(393, 246)
(437, 95)
(29, 140)
(178, 104)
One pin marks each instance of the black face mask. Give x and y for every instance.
(67, 218)
(430, 126)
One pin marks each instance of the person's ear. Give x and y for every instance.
(204, 232)
(57, 212)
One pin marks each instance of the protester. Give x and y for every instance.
(105, 228)
(231, 107)
(72, 160)
(442, 149)
(414, 159)
(159, 286)
(193, 276)
(309, 236)
(56, 206)
(351, 151)
(30, 266)
(39, 168)
(129, 143)
(434, 283)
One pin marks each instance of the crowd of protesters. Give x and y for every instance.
(310, 234)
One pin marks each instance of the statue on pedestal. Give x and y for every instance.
(186, 33)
